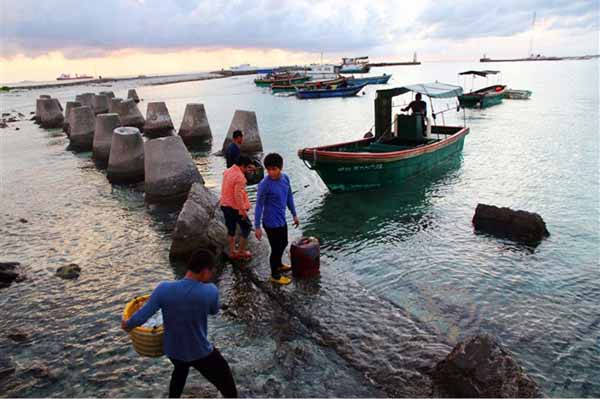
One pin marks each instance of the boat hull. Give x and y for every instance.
(483, 98)
(513, 94)
(268, 82)
(382, 170)
(321, 93)
(373, 80)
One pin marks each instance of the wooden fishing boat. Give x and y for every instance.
(514, 94)
(286, 79)
(370, 80)
(329, 91)
(485, 97)
(401, 148)
(278, 87)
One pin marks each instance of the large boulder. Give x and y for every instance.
(520, 226)
(200, 224)
(170, 171)
(50, 113)
(126, 160)
(195, 129)
(480, 367)
(130, 114)
(246, 122)
(9, 273)
(103, 132)
(81, 122)
(158, 121)
(70, 105)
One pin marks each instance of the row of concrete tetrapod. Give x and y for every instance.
(163, 161)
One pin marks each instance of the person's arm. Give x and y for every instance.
(290, 202)
(409, 106)
(258, 210)
(150, 307)
(238, 195)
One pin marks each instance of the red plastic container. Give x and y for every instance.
(305, 255)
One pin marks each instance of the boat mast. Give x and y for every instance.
(531, 38)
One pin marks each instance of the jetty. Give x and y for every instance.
(540, 58)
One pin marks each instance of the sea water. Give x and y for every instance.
(412, 244)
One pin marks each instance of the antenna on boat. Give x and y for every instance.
(531, 38)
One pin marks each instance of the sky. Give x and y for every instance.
(41, 39)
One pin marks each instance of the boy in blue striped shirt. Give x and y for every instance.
(273, 197)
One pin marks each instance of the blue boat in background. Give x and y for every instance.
(370, 80)
(346, 91)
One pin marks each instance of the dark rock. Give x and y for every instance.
(17, 336)
(68, 272)
(6, 114)
(520, 226)
(480, 367)
(11, 119)
(23, 220)
(3, 125)
(17, 128)
(39, 371)
(8, 275)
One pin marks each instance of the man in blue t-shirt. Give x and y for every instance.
(273, 197)
(232, 152)
(185, 306)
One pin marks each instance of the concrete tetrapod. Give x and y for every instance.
(109, 94)
(100, 104)
(103, 132)
(70, 105)
(158, 121)
(81, 121)
(38, 107)
(50, 113)
(195, 129)
(132, 95)
(170, 171)
(131, 115)
(126, 160)
(86, 99)
(246, 122)
(114, 105)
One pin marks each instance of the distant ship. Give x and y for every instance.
(66, 76)
(355, 65)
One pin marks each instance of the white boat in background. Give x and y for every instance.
(322, 71)
(66, 76)
(355, 65)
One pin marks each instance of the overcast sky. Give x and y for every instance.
(68, 33)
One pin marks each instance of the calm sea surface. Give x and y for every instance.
(413, 245)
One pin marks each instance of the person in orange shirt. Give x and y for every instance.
(235, 205)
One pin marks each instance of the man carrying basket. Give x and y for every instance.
(185, 305)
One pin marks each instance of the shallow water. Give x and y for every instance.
(413, 245)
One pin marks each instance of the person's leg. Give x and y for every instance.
(245, 228)
(278, 241)
(230, 222)
(216, 370)
(178, 378)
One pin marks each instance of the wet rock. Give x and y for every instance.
(132, 95)
(126, 159)
(23, 220)
(130, 114)
(69, 106)
(195, 129)
(200, 224)
(480, 367)
(103, 132)
(8, 274)
(50, 113)
(114, 105)
(246, 122)
(69, 272)
(169, 170)
(7, 367)
(82, 123)
(520, 226)
(100, 104)
(3, 125)
(39, 371)
(158, 121)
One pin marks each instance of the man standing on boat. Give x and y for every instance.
(232, 153)
(418, 106)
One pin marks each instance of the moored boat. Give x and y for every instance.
(401, 148)
(284, 78)
(66, 76)
(327, 92)
(514, 94)
(370, 80)
(355, 65)
(485, 97)
(279, 87)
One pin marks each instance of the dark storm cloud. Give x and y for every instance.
(460, 19)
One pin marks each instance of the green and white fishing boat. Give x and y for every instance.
(484, 97)
(401, 148)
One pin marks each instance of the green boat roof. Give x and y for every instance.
(433, 90)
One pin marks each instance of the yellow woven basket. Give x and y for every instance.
(146, 341)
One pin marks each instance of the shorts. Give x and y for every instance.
(233, 219)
